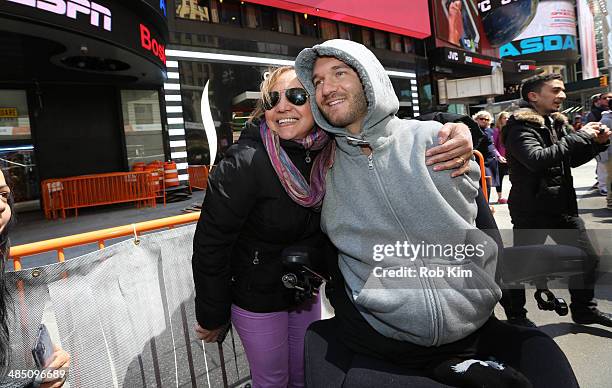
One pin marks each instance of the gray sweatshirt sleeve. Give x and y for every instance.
(459, 192)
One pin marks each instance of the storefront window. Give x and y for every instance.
(16, 149)
(286, 23)
(308, 26)
(214, 11)
(252, 16)
(409, 46)
(268, 18)
(142, 126)
(344, 31)
(329, 30)
(233, 91)
(380, 40)
(190, 9)
(229, 12)
(403, 90)
(396, 42)
(14, 119)
(366, 38)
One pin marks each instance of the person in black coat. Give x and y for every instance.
(259, 202)
(541, 150)
(599, 103)
(488, 150)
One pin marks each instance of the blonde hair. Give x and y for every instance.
(483, 113)
(500, 115)
(270, 78)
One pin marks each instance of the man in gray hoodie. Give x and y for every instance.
(413, 264)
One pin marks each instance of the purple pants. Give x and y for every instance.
(274, 343)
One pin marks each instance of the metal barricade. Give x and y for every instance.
(198, 177)
(483, 175)
(125, 313)
(59, 195)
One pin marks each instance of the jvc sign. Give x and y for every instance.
(72, 8)
(537, 45)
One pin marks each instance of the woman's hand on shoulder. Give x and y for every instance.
(454, 149)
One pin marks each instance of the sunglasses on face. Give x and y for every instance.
(296, 96)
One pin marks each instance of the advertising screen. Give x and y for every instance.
(133, 25)
(480, 26)
(551, 35)
(410, 18)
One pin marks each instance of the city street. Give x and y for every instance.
(305, 114)
(588, 348)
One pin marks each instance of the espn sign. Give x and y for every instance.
(72, 8)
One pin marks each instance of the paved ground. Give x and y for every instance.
(589, 348)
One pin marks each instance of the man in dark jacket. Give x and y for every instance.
(599, 104)
(541, 152)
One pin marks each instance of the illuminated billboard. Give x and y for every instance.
(138, 26)
(550, 37)
(480, 26)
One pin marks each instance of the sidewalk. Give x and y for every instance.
(588, 348)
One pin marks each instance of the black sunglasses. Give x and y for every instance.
(296, 96)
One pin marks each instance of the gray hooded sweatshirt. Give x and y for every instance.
(415, 265)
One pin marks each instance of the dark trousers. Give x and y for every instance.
(530, 357)
(564, 230)
(503, 171)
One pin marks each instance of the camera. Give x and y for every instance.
(300, 276)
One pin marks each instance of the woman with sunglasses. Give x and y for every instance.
(263, 197)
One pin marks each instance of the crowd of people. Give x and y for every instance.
(325, 164)
(495, 150)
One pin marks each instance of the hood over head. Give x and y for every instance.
(381, 98)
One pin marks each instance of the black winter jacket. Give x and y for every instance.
(480, 140)
(594, 114)
(540, 153)
(247, 220)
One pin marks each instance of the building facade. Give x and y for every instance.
(80, 88)
(220, 50)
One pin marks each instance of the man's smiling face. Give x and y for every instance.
(339, 94)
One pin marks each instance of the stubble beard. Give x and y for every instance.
(358, 108)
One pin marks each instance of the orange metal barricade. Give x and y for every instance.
(99, 236)
(483, 177)
(157, 177)
(198, 177)
(59, 195)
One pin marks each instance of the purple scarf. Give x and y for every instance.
(296, 186)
